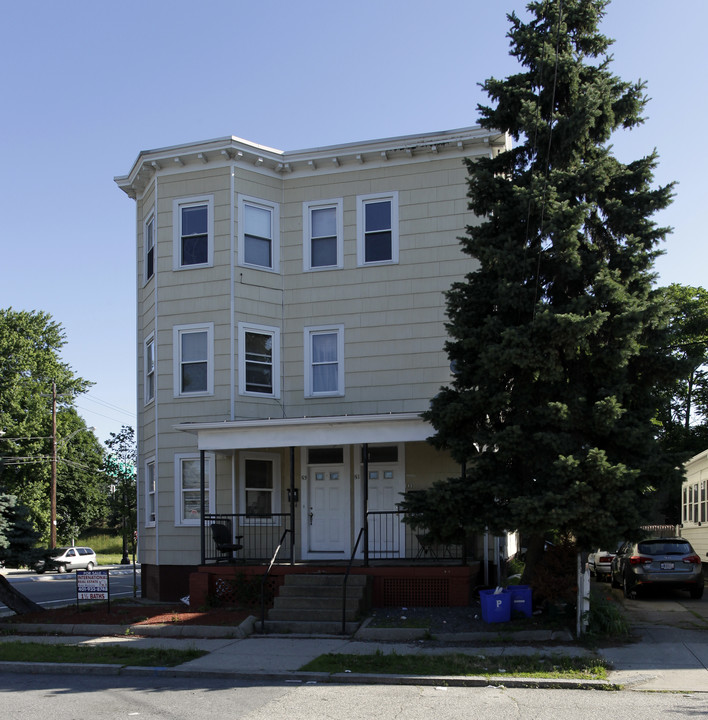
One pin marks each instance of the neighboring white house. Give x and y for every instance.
(694, 504)
(290, 331)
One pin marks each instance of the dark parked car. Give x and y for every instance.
(664, 562)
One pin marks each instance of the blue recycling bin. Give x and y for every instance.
(496, 607)
(520, 599)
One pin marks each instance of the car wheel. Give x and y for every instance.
(61, 568)
(40, 569)
(627, 588)
(696, 592)
(613, 582)
(89, 566)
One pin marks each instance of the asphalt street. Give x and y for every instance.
(55, 590)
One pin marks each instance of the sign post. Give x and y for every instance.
(93, 585)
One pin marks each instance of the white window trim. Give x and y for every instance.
(208, 482)
(177, 332)
(150, 522)
(149, 341)
(274, 332)
(361, 201)
(276, 504)
(177, 206)
(150, 221)
(307, 208)
(274, 209)
(307, 340)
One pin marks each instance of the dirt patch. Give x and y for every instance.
(138, 614)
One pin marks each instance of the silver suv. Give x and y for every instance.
(66, 559)
(666, 562)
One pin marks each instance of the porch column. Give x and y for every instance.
(365, 485)
(292, 505)
(202, 493)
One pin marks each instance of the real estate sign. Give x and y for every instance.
(92, 585)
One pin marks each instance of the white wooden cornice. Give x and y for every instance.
(223, 152)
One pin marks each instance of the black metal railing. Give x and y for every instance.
(390, 538)
(346, 580)
(259, 536)
(287, 532)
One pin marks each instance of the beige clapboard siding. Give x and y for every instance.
(393, 315)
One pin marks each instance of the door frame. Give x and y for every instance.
(305, 467)
(359, 488)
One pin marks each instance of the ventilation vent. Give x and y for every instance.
(416, 592)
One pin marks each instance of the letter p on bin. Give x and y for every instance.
(496, 606)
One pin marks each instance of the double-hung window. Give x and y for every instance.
(258, 360)
(260, 486)
(188, 484)
(150, 495)
(322, 228)
(377, 229)
(324, 361)
(258, 233)
(193, 222)
(150, 369)
(194, 359)
(149, 241)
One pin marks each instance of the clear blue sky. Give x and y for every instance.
(86, 85)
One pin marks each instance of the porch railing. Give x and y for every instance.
(259, 535)
(390, 539)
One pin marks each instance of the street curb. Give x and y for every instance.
(306, 678)
(234, 632)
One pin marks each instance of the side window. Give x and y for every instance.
(260, 486)
(150, 495)
(324, 361)
(258, 234)
(193, 360)
(187, 490)
(322, 235)
(258, 360)
(149, 241)
(149, 369)
(193, 220)
(377, 229)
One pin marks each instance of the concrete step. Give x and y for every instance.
(323, 580)
(315, 603)
(307, 628)
(312, 615)
(326, 591)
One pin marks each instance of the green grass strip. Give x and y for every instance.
(15, 651)
(536, 666)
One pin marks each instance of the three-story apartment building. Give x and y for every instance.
(291, 323)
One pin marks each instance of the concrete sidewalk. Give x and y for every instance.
(663, 659)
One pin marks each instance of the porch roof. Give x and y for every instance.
(309, 431)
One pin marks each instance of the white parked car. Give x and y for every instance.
(66, 559)
(600, 564)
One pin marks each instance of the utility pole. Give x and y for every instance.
(53, 484)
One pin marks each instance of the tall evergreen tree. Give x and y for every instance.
(556, 339)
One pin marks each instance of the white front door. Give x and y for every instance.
(328, 514)
(386, 529)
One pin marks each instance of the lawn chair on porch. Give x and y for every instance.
(224, 544)
(426, 546)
